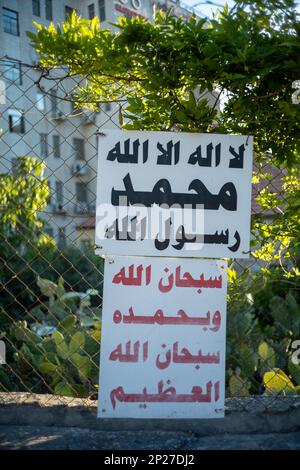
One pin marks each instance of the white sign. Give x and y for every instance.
(173, 194)
(163, 338)
(133, 8)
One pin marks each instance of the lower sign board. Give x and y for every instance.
(163, 338)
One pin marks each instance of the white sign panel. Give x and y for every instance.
(173, 194)
(163, 338)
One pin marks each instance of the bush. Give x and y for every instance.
(263, 321)
(19, 291)
(56, 349)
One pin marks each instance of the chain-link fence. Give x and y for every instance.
(51, 280)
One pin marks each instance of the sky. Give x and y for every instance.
(206, 9)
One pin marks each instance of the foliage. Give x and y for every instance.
(61, 303)
(42, 355)
(19, 292)
(57, 347)
(22, 196)
(242, 357)
(263, 321)
(276, 304)
(55, 344)
(278, 240)
(250, 51)
(247, 57)
(81, 271)
(27, 251)
(277, 382)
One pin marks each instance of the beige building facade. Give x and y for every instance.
(37, 121)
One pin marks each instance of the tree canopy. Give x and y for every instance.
(159, 73)
(249, 53)
(22, 196)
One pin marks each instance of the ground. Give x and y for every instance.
(71, 438)
(29, 421)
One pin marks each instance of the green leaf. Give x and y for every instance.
(5, 382)
(47, 287)
(77, 343)
(22, 333)
(267, 354)
(83, 364)
(238, 386)
(47, 367)
(67, 323)
(276, 381)
(181, 116)
(60, 287)
(65, 389)
(62, 348)
(120, 115)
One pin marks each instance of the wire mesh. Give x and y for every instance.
(51, 281)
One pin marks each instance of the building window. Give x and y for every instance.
(36, 8)
(81, 192)
(49, 14)
(107, 107)
(91, 11)
(40, 100)
(49, 230)
(59, 191)
(78, 146)
(86, 245)
(62, 237)
(12, 71)
(44, 145)
(102, 15)
(53, 101)
(35, 57)
(11, 21)
(69, 11)
(56, 146)
(16, 122)
(14, 166)
(49, 199)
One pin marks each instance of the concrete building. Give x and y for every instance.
(36, 122)
(177, 8)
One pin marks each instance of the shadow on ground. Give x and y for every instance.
(60, 438)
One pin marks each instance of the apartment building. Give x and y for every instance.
(35, 121)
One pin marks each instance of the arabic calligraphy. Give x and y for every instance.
(185, 280)
(159, 318)
(217, 238)
(169, 395)
(171, 355)
(170, 154)
(174, 194)
(185, 357)
(162, 343)
(131, 279)
(162, 194)
(117, 355)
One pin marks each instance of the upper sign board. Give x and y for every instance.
(173, 194)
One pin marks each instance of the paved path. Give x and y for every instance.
(46, 437)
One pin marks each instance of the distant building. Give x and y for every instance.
(177, 8)
(36, 122)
